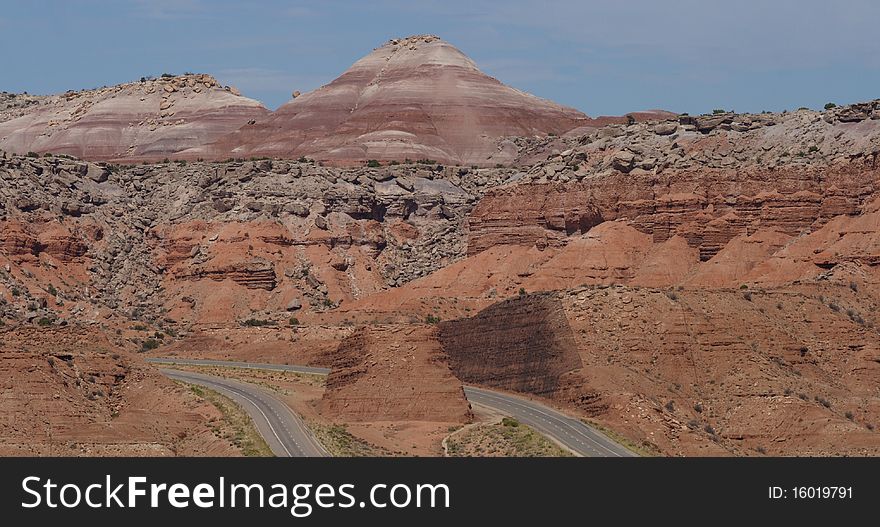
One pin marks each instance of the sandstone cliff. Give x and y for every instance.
(387, 373)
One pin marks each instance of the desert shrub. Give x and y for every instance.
(149, 344)
(43, 321)
(431, 319)
(698, 408)
(717, 111)
(257, 322)
(372, 163)
(830, 105)
(709, 430)
(510, 421)
(670, 406)
(849, 415)
(293, 321)
(854, 286)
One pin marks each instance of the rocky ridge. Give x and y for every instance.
(152, 238)
(150, 120)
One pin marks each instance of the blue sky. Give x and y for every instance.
(602, 57)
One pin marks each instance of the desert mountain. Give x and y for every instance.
(417, 98)
(139, 121)
(698, 284)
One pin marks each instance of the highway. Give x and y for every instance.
(283, 431)
(575, 435)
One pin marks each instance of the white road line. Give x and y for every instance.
(559, 425)
(248, 399)
(512, 402)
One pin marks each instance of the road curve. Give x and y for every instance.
(574, 434)
(283, 430)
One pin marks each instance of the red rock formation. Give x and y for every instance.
(393, 373)
(418, 98)
(707, 207)
(253, 274)
(25, 241)
(731, 372)
(70, 392)
(523, 344)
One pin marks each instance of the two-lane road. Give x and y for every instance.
(573, 434)
(284, 431)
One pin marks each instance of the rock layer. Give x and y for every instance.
(387, 373)
(523, 344)
(139, 121)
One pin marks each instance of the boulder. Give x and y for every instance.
(667, 128)
(623, 161)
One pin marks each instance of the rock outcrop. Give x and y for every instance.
(524, 344)
(388, 373)
(707, 207)
(70, 392)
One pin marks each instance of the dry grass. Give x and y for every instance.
(507, 438)
(236, 425)
(270, 379)
(341, 443)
